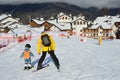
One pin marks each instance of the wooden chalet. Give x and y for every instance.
(47, 25)
(50, 26)
(35, 23)
(4, 30)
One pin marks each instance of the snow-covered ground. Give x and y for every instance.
(78, 60)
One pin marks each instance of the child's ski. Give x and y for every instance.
(41, 68)
(28, 68)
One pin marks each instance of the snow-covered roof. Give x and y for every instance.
(52, 21)
(62, 26)
(79, 18)
(104, 25)
(106, 22)
(37, 21)
(62, 14)
(8, 24)
(11, 20)
(5, 21)
(21, 29)
(3, 16)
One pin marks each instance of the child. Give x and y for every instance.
(27, 56)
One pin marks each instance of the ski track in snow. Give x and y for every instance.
(78, 60)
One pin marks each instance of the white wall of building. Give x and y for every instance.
(64, 18)
(78, 26)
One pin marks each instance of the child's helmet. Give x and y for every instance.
(28, 45)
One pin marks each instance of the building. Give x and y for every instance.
(78, 24)
(8, 22)
(35, 23)
(105, 26)
(50, 26)
(64, 18)
(4, 30)
(63, 22)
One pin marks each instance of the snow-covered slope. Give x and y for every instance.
(78, 60)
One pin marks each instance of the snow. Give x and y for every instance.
(78, 60)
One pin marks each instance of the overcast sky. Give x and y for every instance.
(81, 3)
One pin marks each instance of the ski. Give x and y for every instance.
(28, 68)
(41, 68)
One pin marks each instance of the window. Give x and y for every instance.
(66, 18)
(74, 23)
(81, 22)
(63, 18)
(106, 34)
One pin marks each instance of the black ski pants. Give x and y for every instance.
(55, 59)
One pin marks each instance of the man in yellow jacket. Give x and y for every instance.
(44, 49)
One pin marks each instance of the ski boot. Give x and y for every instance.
(25, 68)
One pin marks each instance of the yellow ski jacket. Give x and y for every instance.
(41, 47)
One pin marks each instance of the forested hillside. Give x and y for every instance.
(47, 10)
